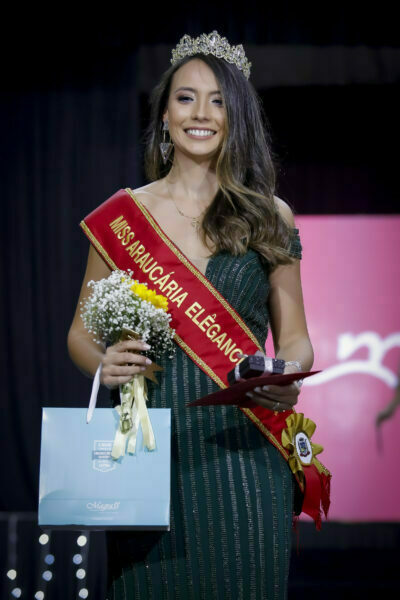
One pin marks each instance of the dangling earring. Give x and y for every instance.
(165, 147)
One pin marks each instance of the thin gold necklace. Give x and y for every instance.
(194, 221)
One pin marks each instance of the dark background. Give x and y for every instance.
(74, 87)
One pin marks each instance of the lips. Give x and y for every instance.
(199, 133)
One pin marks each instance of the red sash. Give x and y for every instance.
(207, 328)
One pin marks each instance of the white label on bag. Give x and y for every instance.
(101, 456)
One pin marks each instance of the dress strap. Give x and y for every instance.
(296, 248)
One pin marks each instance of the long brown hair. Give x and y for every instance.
(243, 213)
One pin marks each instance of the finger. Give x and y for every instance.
(288, 392)
(286, 400)
(271, 399)
(270, 404)
(113, 371)
(127, 345)
(280, 390)
(118, 370)
(121, 358)
(287, 397)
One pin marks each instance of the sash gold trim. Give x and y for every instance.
(199, 361)
(98, 246)
(270, 436)
(187, 349)
(193, 269)
(266, 431)
(322, 468)
(195, 357)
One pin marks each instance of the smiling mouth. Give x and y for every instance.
(200, 133)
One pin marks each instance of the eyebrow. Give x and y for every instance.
(189, 89)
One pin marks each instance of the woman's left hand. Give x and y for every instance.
(276, 397)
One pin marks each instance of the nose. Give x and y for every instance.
(201, 108)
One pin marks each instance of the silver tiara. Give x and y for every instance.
(212, 43)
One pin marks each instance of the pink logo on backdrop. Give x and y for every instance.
(351, 285)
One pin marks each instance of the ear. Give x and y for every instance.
(165, 115)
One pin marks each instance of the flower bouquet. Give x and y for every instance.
(121, 308)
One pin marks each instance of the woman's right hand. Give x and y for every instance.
(122, 361)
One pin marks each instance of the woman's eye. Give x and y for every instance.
(184, 98)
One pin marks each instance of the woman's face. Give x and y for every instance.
(195, 111)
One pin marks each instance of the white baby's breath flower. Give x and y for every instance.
(112, 306)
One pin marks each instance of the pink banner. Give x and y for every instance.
(351, 285)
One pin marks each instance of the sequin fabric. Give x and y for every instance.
(231, 491)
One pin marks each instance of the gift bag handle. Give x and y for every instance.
(93, 395)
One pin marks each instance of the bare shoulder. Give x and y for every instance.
(285, 211)
(149, 194)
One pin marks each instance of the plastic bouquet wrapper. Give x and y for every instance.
(121, 308)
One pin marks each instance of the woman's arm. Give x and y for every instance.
(288, 327)
(120, 362)
(83, 351)
(286, 307)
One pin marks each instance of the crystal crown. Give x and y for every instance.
(212, 43)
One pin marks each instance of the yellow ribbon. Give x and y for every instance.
(297, 437)
(132, 412)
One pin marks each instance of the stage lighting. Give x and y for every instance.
(81, 541)
(44, 538)
(11, 574)
(81, 573)
(77, 559)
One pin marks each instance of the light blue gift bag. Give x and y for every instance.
(82, 487)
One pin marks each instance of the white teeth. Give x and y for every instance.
(200, 132)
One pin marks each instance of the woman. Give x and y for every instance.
(232, 491)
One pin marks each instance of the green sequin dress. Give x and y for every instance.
(232, 492)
